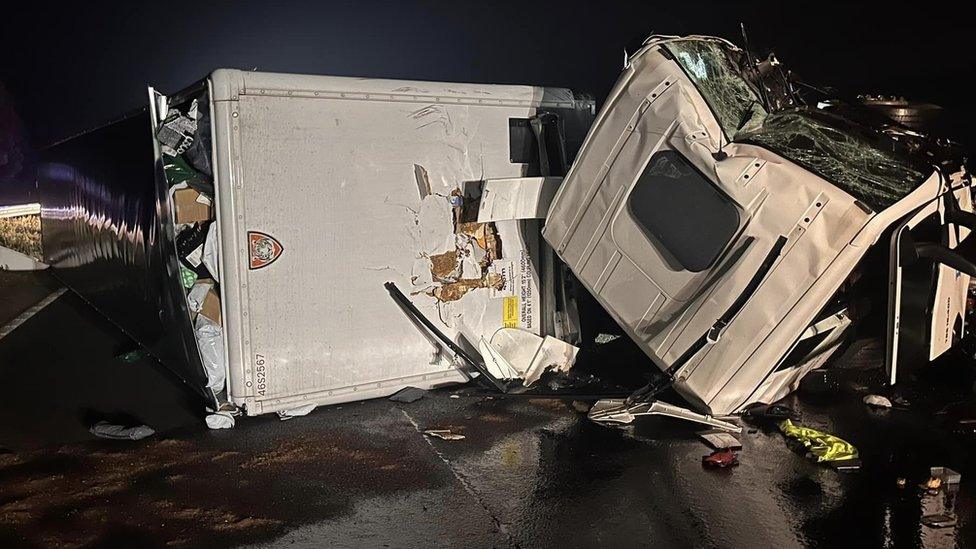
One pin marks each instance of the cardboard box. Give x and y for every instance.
(211, 306)
(191, 206)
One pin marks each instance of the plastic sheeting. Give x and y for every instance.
(210, 247)
(104, 429)
(220, 420)
(211, 344)
(825, 447)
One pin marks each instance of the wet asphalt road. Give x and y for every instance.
(529, 472)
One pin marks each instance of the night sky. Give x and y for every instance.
(67, 68)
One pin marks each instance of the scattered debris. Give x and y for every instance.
(768, 412)
(720, 459)
(285, 415)
(824, 447)
(720, 440)
(946, 475)
(104, 429)
(603, 339)
(445, 434)
(580, 406)
(514, 353)
(939, 521)
(877, 401)
(220, 420)
(408, 394)
(617, 411)
(455, 396)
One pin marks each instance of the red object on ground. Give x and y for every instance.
(720, 459)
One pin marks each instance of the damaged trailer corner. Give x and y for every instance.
(252, 262)
(739, 236)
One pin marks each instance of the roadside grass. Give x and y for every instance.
(22, 234)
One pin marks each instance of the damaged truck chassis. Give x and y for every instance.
(286, 241)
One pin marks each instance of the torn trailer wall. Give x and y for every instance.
(719, 234)
(321, 190)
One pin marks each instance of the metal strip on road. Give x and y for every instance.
(26, 315)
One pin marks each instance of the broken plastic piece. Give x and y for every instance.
(520, 198)
(516, 353)
(408, 394)
(104, 429)
(445, 434)
(220, 420)
(825, 447)
(603, 339)
(617, 411)
(285, 415)
(877, 401)
(720, 459)
(720, 440)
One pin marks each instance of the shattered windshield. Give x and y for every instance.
(735, 104)
(850, 156)
(820, 143)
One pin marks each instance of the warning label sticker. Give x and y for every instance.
(510, 312)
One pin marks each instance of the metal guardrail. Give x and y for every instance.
(19, 210)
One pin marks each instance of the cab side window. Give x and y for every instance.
(682, 211)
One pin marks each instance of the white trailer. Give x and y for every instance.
(326, 188)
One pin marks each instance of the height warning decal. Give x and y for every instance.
(263, 249)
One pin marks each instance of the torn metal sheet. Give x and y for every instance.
(514, 353)
(617, 411)
(522, 198)
(720, 440)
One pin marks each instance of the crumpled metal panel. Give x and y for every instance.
(107, 234)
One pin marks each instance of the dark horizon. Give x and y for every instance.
(71, 68)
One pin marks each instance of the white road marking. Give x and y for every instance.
(26, 315)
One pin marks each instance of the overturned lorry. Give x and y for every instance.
(243, 231)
